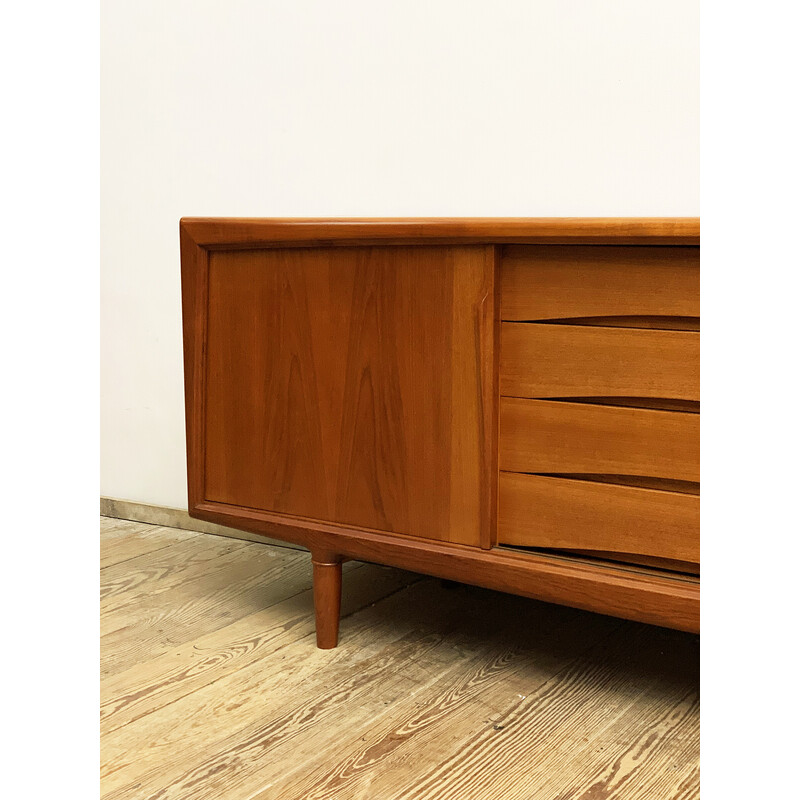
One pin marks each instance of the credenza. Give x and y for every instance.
(511, 403)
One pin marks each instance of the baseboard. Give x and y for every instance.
(178, 518)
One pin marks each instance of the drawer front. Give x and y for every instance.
(579, 438)
(541, 361)
(552, 282)
(563, 514)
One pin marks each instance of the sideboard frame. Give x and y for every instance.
(642, 594)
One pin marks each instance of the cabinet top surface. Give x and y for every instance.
(255, 232)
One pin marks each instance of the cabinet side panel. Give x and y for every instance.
(344, 385)
(194, 288)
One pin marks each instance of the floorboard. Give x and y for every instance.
(212, 686)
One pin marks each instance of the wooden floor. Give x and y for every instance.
(212, 686)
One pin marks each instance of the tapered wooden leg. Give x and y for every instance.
(327, 600)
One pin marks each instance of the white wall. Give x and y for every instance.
(361, 108)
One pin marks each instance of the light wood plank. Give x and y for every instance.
(552, 282)
(144, 688)
(541, 361)
(535, 749)
(356, 693)
(148, 575)
(550, 437)
(231, 731)
(470, 691)
(249, 709)
(418, 751)
(122, 540)
(229, 588)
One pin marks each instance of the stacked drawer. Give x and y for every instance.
(599, 408)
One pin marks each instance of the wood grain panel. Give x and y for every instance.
(537, 511)
(558, 437)
(552, 282)
(538, 360)
(346, 385)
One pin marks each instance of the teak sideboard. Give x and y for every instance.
(511, 403)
